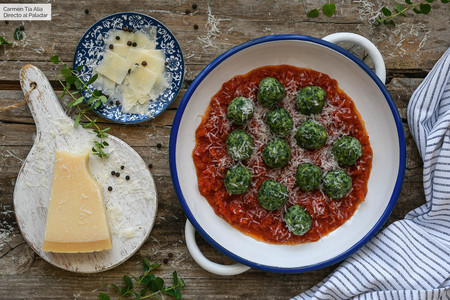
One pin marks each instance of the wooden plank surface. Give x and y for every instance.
(410, 50)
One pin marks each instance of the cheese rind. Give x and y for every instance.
(76, 218)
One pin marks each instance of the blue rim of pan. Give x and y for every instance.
(400, 134)
(114, 113)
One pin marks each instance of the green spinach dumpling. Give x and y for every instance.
(308, 177)
(240, 110)
(347, 150)
(337, 184)
(272, 195)
(237, 180)
(270, 92)
(276, 153)
(297, 220)
(239, 145)
(311, 135)
(279, 121)
(311, 99)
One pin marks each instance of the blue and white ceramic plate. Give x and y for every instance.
(91, 45)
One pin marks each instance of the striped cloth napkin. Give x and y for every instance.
(410, 259)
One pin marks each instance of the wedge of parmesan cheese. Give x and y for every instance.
(76, 218)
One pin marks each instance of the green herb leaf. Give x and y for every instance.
(313, 13)
(97, 104)
(103, 296)
(417, 11)
(425, 8)
(329, 9)
(97, 93)
(18, 34)
(408, 2)
(92, 79)
(126, 279)
(77, 120)
(400, 8)
(79, 68)
(79, 84)
(113, 285)
(445, 1)
(78, 101)
(3, 41)
(430, 1)
(386, 11)
(90, 100)
(71, 79)
(103, 99)
(66, 72)
(156, 285)
(55, 59)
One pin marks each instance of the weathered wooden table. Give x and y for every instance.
(410, 50)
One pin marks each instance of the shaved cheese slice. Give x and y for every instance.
(113, 66)
(105, 85)
(124, 37)
(153, 58)
(143, 40)
(162, 83)
(128, 97)
(121, 50)
(141, 81)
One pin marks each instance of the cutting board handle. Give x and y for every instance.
(42, 101)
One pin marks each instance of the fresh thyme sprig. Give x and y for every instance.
(387, 17)
(70, 77)
(18, 35)
(328, 9)
(147, 286)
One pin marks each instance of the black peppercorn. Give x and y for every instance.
(150, 166)
(125, 28)
(194, 6)
(110, 188)
(165, 261)
(159, 145)
(117, 37)
(111, 103)
(22, 28)
(111, 46)
(129, 43)
(166, 63)
(127, 177)
(117, 102)
(144, 63)
(117, 174)
(86, 11)
(6, 22)
(130, 29)
(129, 71)
(195, 26)
(134, 44)
(113, 173)
(187, 11)
(122, 167)
(170, 255)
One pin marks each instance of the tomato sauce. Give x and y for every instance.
(243, 212)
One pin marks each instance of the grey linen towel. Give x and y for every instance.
(410, 259)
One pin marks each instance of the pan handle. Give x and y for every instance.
(212, 267)
(372, 50)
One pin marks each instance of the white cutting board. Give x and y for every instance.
(131, 205)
